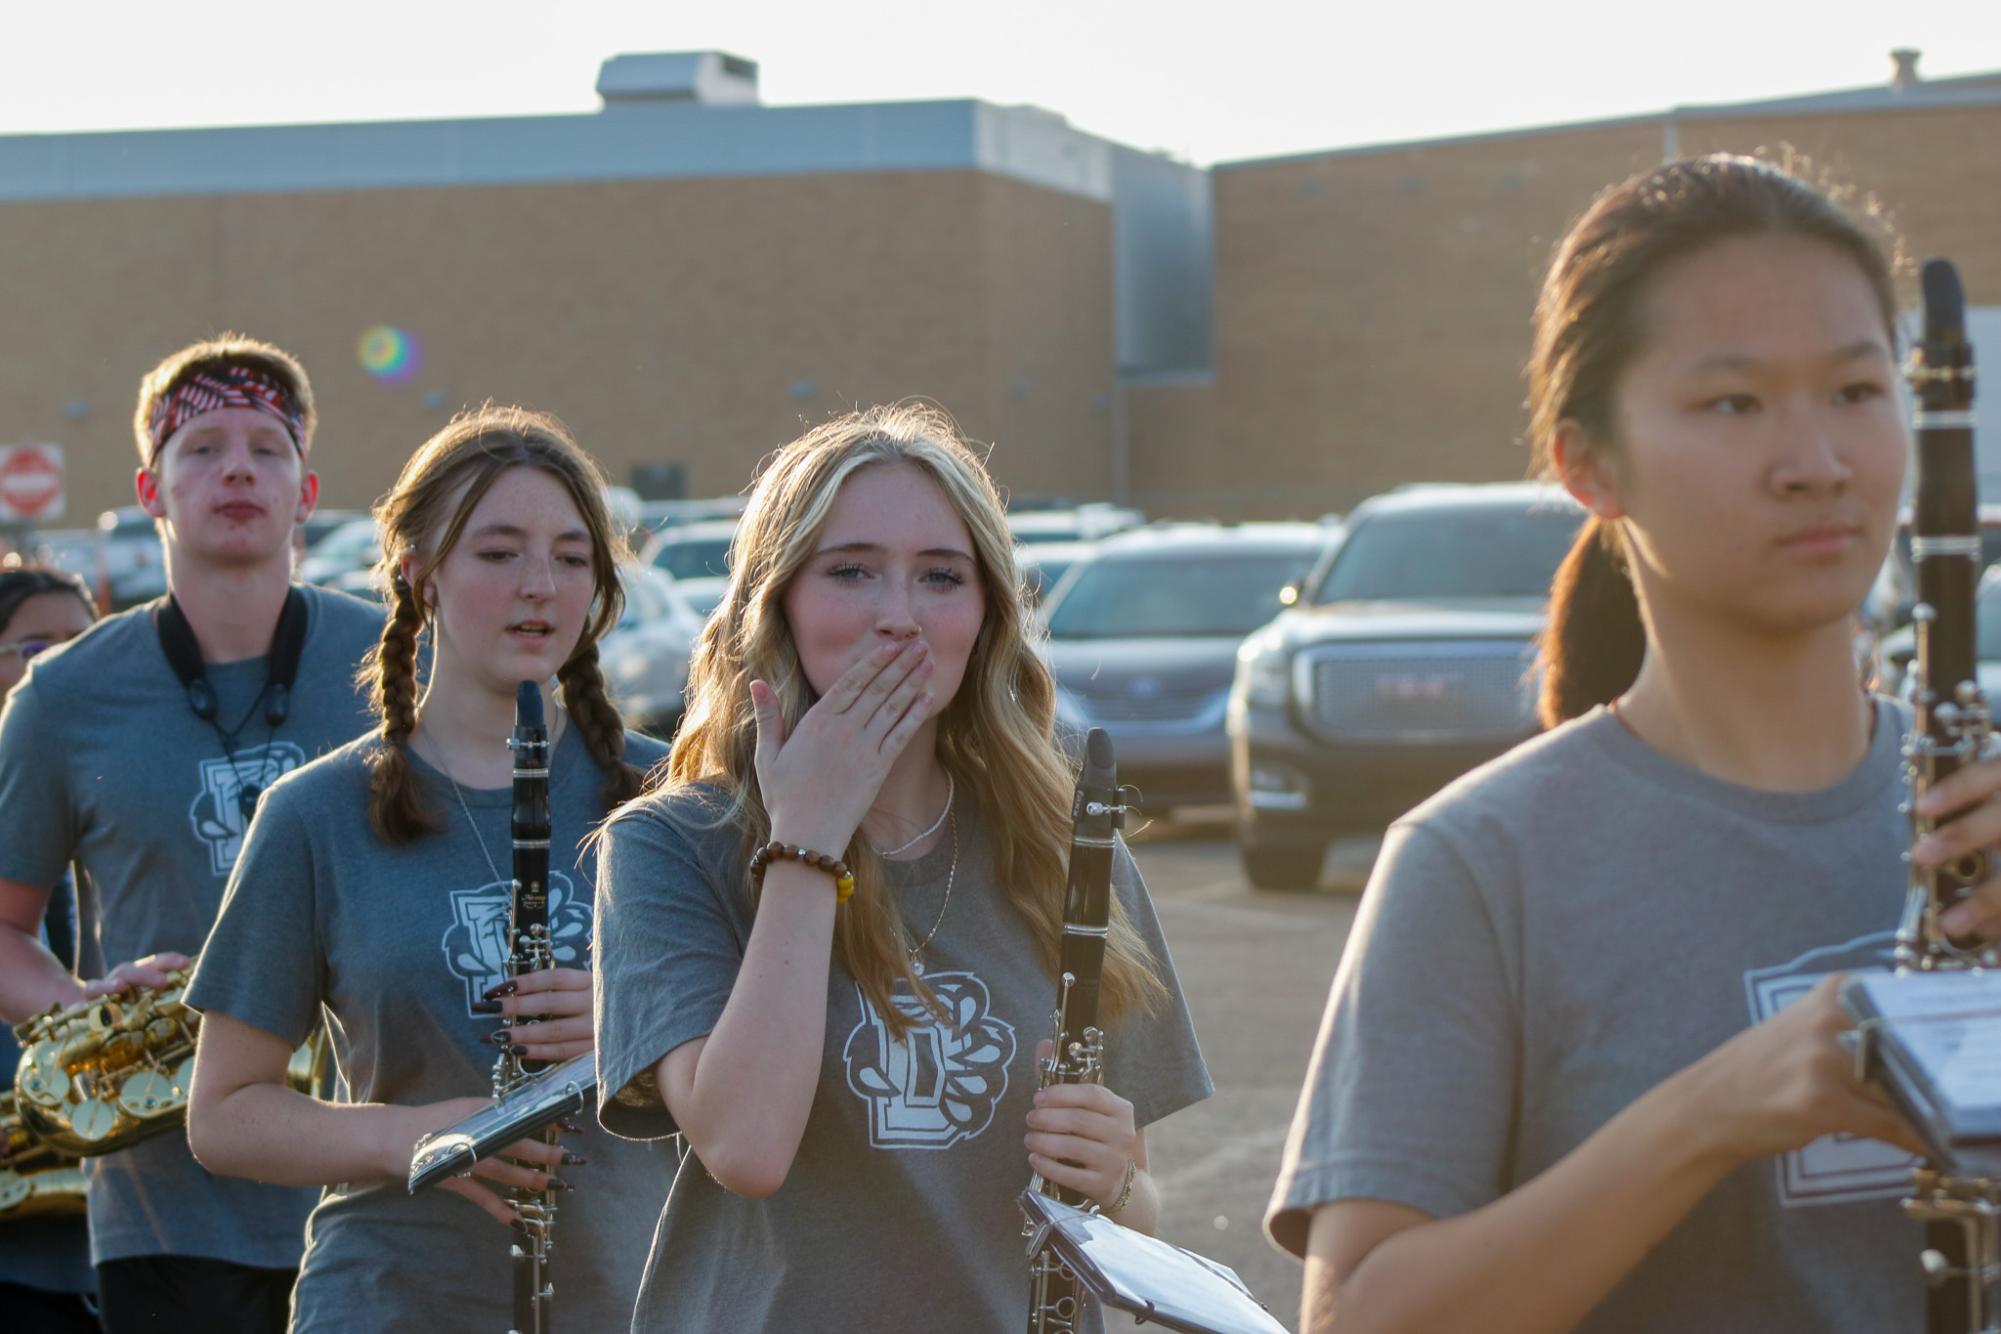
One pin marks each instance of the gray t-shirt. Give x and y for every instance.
(103, 762)
(1556, 934)
(397, 944)
(900, 1208)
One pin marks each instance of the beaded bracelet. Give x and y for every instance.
(844, 879)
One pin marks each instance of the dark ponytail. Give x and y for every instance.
(1587, 331)
(1594, 640)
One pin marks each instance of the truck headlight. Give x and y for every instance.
(1262, 676)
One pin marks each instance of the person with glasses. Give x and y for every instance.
(39, 609)
(46, 1283)
(139, 753)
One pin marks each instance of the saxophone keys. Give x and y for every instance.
(93, 1119)
(147, 1092)
(184, 1078)
(43, 1080)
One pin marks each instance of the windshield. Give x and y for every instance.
(1450, 554)
(350, 539)
(696, 558)
(1172, 597)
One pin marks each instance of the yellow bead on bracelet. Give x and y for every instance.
(844, 879)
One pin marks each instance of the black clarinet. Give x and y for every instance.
(1077, 1056)
(1951, 728)
(529, 950)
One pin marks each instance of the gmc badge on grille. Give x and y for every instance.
(1414, 687)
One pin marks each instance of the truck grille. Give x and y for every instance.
(1146, 698)
(1452, 691)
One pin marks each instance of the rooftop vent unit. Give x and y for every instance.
(1904, 69)
(710, 78)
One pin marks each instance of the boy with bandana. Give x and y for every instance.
(138, 752)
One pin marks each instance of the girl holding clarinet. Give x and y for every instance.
(847, 1038)
(1583, 1067)
(373, 887)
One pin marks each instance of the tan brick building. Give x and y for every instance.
(685, 276)
(1372, 304)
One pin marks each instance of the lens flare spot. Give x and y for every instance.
(388, 353)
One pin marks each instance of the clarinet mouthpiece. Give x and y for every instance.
(528, 705)
(1945, 303)
(1098, 762)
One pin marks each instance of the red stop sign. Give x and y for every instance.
(31, 482)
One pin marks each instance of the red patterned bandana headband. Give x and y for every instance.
(224, 387)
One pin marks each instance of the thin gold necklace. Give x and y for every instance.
(913, 951)
(444, 767)
(951, 790)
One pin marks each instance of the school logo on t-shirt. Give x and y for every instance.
(941, 1081)
(228, 793)
(475, 944)
(1834, 1169)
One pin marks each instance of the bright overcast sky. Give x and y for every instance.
(1211, 82)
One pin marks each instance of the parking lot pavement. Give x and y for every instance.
(1255, 968)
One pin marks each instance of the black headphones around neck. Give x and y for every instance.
(177, 641)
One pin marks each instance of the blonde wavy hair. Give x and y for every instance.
(995, 736)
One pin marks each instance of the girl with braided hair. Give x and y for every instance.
(372, 886)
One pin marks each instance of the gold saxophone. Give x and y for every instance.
(107, 1073)
(35, 1179)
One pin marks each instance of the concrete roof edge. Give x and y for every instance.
(1450, 140)
(1932, 94)
(685, 141)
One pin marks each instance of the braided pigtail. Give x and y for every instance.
(396, 808)
(598, 721)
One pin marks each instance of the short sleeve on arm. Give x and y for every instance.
(38, 822)
(1153, 1060)
(1410, 1093)
(667, 955)
(262, 964)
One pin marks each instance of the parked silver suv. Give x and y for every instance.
(1406, 659)
(1143, 635)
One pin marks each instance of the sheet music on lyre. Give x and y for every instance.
(1159, 1283)
(1938, 1039)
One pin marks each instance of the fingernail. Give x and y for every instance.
(557, 1183)
(486, 1007)
(1927, 849)
(575, 1159)
(1957, 920)
(503, 989)
(516, 1049)
(569, 1125)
